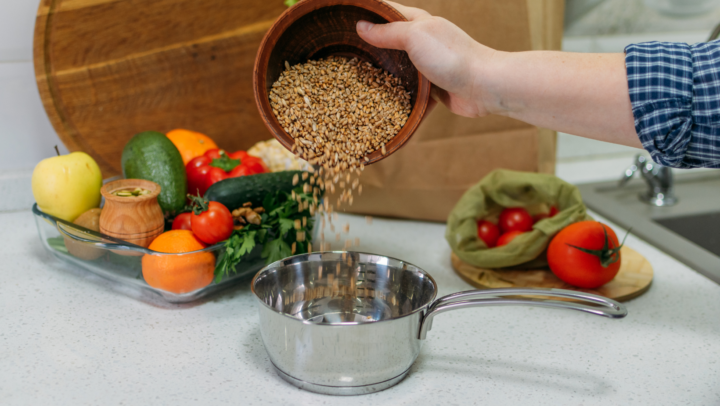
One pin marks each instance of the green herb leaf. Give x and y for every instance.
(275, 233)
(290, 3)
(58, 244)
(229, 257)
(276, 250)
(262, 235)
(248, 243)
(270, 202)
(286, 225)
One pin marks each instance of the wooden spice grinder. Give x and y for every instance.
(314, 29)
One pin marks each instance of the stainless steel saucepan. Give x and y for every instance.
(353, 323)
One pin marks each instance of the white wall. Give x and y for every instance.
(25, 131)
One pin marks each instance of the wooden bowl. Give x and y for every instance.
(314, 29)
(138, 219)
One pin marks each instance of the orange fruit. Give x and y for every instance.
(191, 144)
(178, 273)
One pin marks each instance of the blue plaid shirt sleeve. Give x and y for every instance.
(675, 95)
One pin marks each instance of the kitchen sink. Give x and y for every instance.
(688, 230)
(701, 229)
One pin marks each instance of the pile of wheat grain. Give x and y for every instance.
(338, 111)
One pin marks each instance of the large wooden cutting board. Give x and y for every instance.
(108, 69)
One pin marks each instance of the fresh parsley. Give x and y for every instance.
(276, 233)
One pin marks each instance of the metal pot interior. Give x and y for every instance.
(341, 288)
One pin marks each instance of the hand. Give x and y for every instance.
(441, 51)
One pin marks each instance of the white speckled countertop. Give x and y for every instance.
(68, 339)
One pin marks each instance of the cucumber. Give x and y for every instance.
(234, 192)
(152, 156)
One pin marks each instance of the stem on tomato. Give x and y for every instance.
(199, 204)
(607, 255)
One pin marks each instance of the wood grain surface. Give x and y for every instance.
(108, 69)
(633, 279)
(138, 219)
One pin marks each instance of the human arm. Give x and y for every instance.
(582, 94)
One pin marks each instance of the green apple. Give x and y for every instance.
(67, 186)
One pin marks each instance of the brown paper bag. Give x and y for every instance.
(448, 153)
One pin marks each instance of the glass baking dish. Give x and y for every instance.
(125, 271)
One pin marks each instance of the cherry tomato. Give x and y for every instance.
(197, 170)
(553, 211)
(182, 222)
(213, 225)
(515, 219)
(580, 268)
(488, 232)
(507, 237)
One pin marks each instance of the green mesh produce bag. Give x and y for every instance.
(501, 188)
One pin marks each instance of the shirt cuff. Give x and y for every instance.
(660, 81)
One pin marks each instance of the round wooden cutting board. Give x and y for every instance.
(109, 69)
(633, 279)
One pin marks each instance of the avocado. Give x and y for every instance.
(152, 156)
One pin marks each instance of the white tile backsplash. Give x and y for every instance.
(17, 23)
(16, 190)
(25, 130)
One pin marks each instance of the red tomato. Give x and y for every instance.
(542, 216)
(213, 225)
(488, 232)
(182, 222)
(507, 237)
(580, 268)
(515, 219)
(197, 170)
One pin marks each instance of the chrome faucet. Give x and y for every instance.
(659, 179)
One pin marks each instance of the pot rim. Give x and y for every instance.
(347, 323)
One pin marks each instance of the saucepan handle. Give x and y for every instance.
(592, 304)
